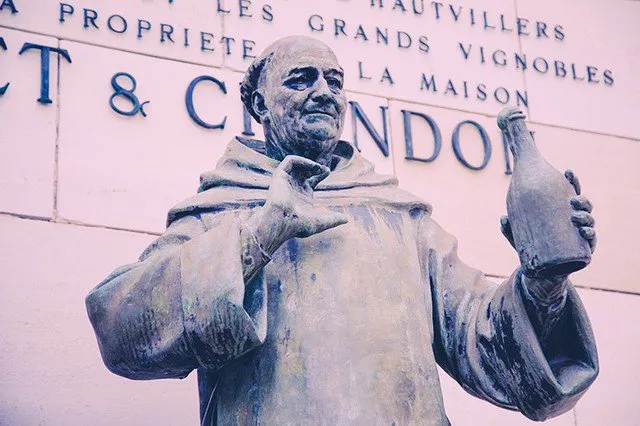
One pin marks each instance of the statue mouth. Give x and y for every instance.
(320, 112)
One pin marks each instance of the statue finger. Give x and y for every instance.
(287, 163)
(327, 220)
(505, 227)
(581, 202)
(573, 180)
(582, 218)
(316, 179)
(592, 243)
(589, 234)
(301, 168)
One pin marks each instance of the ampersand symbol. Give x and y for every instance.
(127, 94)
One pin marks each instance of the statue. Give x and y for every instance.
(305, 288)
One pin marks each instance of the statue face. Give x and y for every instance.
(304, 99)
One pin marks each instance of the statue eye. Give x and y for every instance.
(298, 83)
(301, 80)
(334, 83)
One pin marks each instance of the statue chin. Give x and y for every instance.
(322, 132)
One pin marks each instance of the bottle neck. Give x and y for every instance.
(520, 140)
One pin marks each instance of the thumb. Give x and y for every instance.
(328, 219)
(573, 180)
(505, 227)
(321, 220)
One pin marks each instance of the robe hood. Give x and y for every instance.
(243, 175)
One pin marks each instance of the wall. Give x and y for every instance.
(84, 189)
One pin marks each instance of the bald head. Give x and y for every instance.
(295, 89)
(274, 56)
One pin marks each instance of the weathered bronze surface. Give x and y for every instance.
(305, 288)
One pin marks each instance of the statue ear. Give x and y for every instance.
(259, 106)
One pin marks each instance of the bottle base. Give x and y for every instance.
(556, 268)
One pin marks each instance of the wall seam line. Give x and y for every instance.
(222, 31)
(56, 152)
(580, 286)
(607, 290)
(524, 76)
(392, 155)
(60, 221)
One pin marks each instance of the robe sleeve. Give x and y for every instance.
(485, 340)
(183, 305)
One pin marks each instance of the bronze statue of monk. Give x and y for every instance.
(307, 289)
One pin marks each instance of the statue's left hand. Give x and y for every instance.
(581, 216)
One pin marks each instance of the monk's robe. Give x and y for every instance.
(343, 327)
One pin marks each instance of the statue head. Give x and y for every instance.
(295, 89)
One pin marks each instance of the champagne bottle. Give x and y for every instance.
(538, 207)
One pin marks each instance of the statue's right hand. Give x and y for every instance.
(290, 198)
(289, 210)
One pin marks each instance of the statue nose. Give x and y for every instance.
(322, 91)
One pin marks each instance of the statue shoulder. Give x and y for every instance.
(215, 200)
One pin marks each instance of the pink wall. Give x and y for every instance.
(84, 190)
